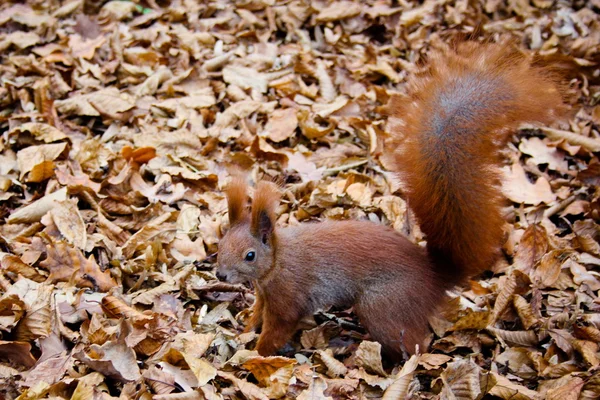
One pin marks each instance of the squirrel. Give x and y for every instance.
(456, 116)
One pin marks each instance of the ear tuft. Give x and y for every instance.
(264, 204)
(237, 199)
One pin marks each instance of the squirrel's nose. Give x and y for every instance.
(221, 276)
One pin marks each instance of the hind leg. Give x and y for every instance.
(394, 322)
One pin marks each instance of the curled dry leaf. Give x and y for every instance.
(433, 361)
(14, 264)
(44, 132)
(12, 308)
(316, 338)
(18, 353)
(116, 307)
(399, 388)
(541, 153)
(368, 356)
(335, 368)
(508, 390)
(515, 283)
(528, 319)
(36, 210)
(520, 338)
(263, 368)
(267, 370)
(249, 390)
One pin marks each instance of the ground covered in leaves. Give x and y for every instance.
(118, 122)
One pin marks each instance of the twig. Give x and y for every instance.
(345, 167)
(563, 204)
(588, 143)
(223, 287)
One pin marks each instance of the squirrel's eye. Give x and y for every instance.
(250, 256)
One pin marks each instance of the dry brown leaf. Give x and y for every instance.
(113, 359)
(17, 352)
(544, 154)
(249, 390)
(335, 368)
(507, 390)
(569, 391)
(316, 338)
(589, 352)
(433, 361)
(68, 264)
(548, 270)
(202, 369)
(339, 10)
(263, 367)
(528, 319)
(532, 247)
(107, 101)
(472, 320)
(116, 307)
(48, 371)
(15, 265)
(520, 338)
(37, 162)
(68, 220)
(315, 391)
(37, 322)
(509, 286)
(44, 132)
(368, 356)
(282, 125)
(518, 188)
(399, 388)
(246, 78)
(461, 380)
(36, 210)
(12, 308)
(273, 373)
(160, 381)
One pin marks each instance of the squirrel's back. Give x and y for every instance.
(455, 118)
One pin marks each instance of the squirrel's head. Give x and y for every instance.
(246, 251)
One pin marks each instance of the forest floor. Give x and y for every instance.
(118, 122)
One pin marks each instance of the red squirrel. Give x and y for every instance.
(456, 116)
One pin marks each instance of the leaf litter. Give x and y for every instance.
(119, 121)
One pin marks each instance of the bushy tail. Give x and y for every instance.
(455, 118)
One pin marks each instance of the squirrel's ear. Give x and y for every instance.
(264, 204)
(237, 199)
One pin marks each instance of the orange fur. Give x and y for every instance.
(455, 118)
(237, 199)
